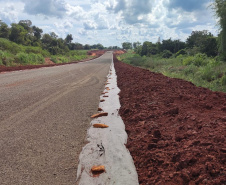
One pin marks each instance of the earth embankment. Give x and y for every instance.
(176, 130)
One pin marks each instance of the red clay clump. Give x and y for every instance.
(176, 130)
(119, 52)
(96, 52)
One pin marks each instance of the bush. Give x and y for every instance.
(181, 52)
(6, 58)
(137, 60)
(191, 69)
(223, 80)
(14, 48)
(199, 69)
(60, 59)
(207, 74)
(200, 59)
(36, 50)
(193, 51)
(188, 60)
(167, 54)
(9, 46)
(54, 59)
(29, 58)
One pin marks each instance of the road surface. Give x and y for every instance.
(44, 115)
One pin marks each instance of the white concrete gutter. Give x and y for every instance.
(106, 146)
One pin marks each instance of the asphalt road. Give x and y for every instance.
(44, 115)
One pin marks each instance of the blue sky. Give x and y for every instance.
(111, 22)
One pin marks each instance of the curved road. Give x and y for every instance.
(44, 115)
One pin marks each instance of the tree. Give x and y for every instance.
(158, 45)
(166, 54)
(37, 32)
(136, 44)
(204, 41)
(115, 47)
(26, 24)
(178, 45)
(167, 45)
(77, 46)
(87, 47)
(68, 38)
(146, 48)
(197, 38)
(210, 47)
(53, 35)
(100, 46)
(46, 40)
(127, 45)
(4, 30)
(138, 50)
(53, 44)
(18, 33)
(220, 8)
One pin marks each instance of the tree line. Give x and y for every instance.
(220, 8)
(197, 42)
(26, 34)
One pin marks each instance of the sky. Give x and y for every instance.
(112, 22)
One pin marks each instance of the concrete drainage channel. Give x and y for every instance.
(105, 159)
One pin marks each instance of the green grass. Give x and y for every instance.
(12, 47)
(12, 54)
(29, 58)
(70, 56)
(199, 69)
(6, 58)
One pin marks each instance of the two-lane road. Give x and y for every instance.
(44, 115)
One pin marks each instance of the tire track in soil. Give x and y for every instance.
(176, 130)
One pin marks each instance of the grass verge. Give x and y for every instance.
(12, 54)
(198, 69)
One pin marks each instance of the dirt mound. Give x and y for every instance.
(48, 61)
(119, 52)
(96, 52)
(176, 130)
(101, 52)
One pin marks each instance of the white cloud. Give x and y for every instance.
(82, 31)
(90, 25)
(76, 12)
(9, 11)
(45, 7)
(112, 22)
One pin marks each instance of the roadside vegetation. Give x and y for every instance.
(201, 59)
(70, 56)
(13, 54)
(196, 60)
(199, 69)
(23, 43)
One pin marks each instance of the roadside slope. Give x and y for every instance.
(44, 116)
(176, 130)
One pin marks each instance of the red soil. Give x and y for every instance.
(119, 52)
(101, 52)
(176, 130)
(48, 61)
(96, 52)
